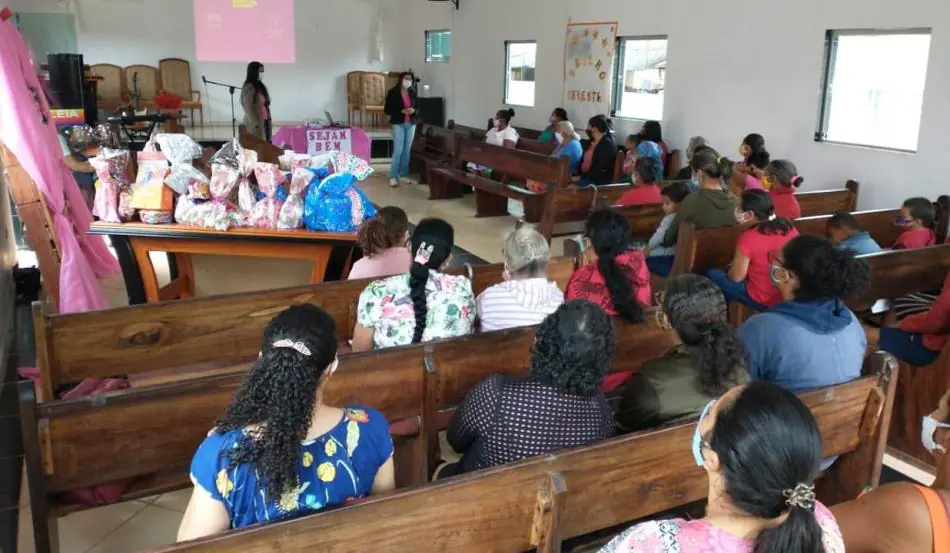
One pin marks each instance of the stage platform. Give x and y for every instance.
(216, 135)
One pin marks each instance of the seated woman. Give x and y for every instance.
(659, 258)
(811, 339)
(696, 143)
(652, 131)
(761, 447)
(551, 133)
(503, 134)
(383, 240)
(526, 296)
(570, 146)
(710, 361)
(781, 179)
(613, 274)
(905, 517)
(645, 190)
(421, 305)
(919, 338)
(598, 163)
(279, 451)
(558, 405)
(748, 280)
(712, 206)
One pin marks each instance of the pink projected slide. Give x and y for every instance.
(245, 30)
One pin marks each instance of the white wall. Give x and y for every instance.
(735, 67)
(333, 37)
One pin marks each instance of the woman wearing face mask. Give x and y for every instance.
(256, 103)
(761, 447)
(904, 517)
(401, 104)
(696, 144)
(811, 339)
(748, 281)
(551, 133)
(597, 166)
(712, 206)
(503, 134)
(570, 145)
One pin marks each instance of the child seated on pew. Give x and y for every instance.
(844, 231)
(918, 339)
(761, 448)
(710, 360)
(782, 179)
(383, 240)
(917, 218)
(645, 190)
(557, 405)
(613, 274)
(659, 258)
(421, 305)
(526, 296)
(748, 280)
(279, 452)
(758, 162)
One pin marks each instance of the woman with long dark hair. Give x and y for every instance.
(421, 305)
(709, 361)
(401, 105)
(256, 103)
(280, 451)
(761, 447)
(613, 274)
(597, 166)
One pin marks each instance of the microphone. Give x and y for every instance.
(204, 79)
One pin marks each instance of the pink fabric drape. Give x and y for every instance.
(26, 129)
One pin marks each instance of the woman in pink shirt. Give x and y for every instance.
(383, 239)
(256, 103)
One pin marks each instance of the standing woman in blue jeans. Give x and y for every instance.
(401, 106)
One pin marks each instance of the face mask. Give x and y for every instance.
(406, 84)
(742, 217)
(558, 138)
(774, 272)
(497, 122)
(902, 221)
(694, 183)
(698, 438)
(930, 426)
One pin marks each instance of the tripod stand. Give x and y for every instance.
(232, 89)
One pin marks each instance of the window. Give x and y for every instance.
(519, 72)
(873, 88)
(438, 46)
(640, 78)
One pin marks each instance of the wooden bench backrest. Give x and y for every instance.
(879, 223)
(150, 337)
(516, 164)
(535, 147)
(466, 131)
(828, 202)
(901, 272)
(539, 502)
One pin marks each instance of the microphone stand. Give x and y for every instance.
(232, 89)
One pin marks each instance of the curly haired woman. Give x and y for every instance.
(280, 452)
(384, 240)
(560, 395)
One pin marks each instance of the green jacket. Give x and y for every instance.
(705, 209)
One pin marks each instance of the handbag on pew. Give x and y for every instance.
(103, 494)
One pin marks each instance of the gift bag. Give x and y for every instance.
(217, 213)
(292, 160)
(266, 212)
(337, 205)
(247, 161)
(291, 213)
(112, 167)
(345, 162)
(181, 151)
(149, 191)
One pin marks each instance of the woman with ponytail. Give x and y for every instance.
(613, 274)
(421, 305)
(782, 179)
(712, 205)
(811, 339)
(280, 452)
(383, 239)
(748, 280)
(710, 360)
(761, 447)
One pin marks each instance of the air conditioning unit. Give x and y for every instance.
(456, 2)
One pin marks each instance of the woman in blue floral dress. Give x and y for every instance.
(280, 452)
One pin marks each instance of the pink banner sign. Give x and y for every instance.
(321, 141)
(245, 30)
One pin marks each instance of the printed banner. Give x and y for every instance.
(321, 141)
(588, 70)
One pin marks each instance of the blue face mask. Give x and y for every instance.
(698, 438)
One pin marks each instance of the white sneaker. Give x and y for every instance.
(406, 180)
(394, 182)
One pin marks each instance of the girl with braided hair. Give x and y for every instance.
(419, 306)
(280, 451)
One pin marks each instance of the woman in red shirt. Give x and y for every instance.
(613, 274)
(783, 177)
(645, 190)
(918, 339)
(749, 280)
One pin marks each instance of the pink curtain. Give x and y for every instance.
(26, 129)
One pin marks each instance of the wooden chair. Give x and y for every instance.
(112, 92)
(354, 94)
(373, 96)
(175, 77)
(146, 77)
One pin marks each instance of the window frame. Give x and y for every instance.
(827, 72)
(504, 84)
(617, 88)
(425, 46)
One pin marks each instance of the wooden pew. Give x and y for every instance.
(466, 131)
(432, 145)
(539, 502)
(492, 196)
(535, 147)
(828, 202)
(199, 335)
(84, 442)
(674, 164)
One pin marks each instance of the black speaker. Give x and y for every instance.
(66, 76)
(432, 110)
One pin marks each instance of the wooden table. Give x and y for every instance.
(134, 241)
